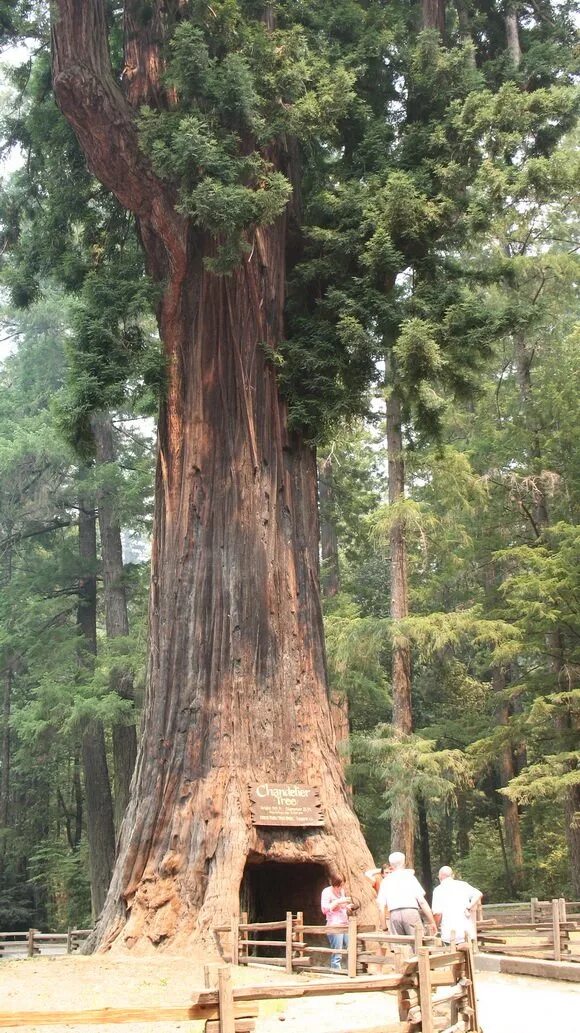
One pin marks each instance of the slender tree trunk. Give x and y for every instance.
(506, 771)
(433, 13)
(425, 847)
(512, 33)
(465, 29)
(402, 819)
(5, 743)
(78, 800)
(462, 827)
(237, 690)
(330, 582)
(330, 576)
(116, 617)
(5, 747)
(5, 765)
(99, 806)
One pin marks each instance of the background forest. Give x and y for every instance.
(439, 377)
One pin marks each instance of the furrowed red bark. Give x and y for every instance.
(144, 34)
(237, 690)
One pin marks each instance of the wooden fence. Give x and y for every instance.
(34, 942)
(539, 929)
(435, 991)
(298, 947)
(547, 929)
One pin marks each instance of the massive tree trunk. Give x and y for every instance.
(402, 818)
(237, 691)
(99, 805)
(116, 617)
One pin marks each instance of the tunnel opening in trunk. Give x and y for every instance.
(271, 888)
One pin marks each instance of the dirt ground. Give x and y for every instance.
(508, 1004)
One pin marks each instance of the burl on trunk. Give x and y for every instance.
(237, 691)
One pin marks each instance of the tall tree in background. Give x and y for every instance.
(115, 602)
(99, 801)
(402, 820)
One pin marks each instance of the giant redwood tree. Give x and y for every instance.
(199, 136)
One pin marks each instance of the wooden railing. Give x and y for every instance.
(299, 947)
(541, 929)
(447, 971)
(34, 942)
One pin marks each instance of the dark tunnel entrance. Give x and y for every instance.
(271, 888)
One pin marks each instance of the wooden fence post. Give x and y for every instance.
(352, 947)
(556, 929)
(533, 909)
(289, 931)
(299, 931)
(226, 1001)
(425, 991)
(31, 943)
(69, 943)
(468, 970)
(418, 934)
(563, 909)
(244, 953)
(235, 940)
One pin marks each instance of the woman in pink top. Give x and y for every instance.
(334, 904)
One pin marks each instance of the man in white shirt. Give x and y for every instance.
(403, 898)
(454, 904)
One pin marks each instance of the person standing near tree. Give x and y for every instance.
(454, 906)
(376, 875)
(401, 899)
(334, 904)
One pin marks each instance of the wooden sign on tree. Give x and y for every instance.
(285, 805)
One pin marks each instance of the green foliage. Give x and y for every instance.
(43, 870)
(407, 769)
(61, 876)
